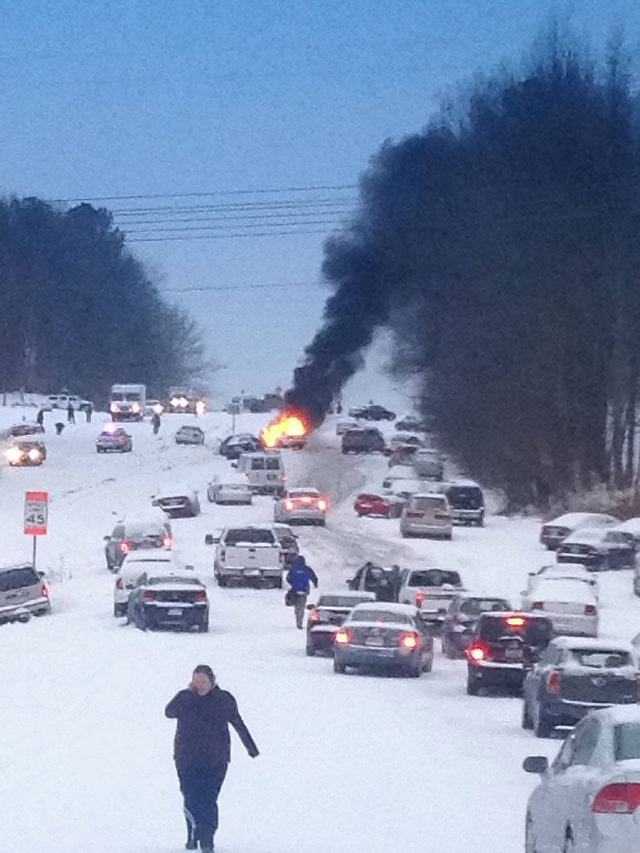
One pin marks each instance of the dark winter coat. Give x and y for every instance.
(300, 576)
(202, 736)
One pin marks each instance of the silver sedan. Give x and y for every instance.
(301, 505)
(229, 493)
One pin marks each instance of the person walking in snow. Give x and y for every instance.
(155, 423)
(40, 418)
(88, 412)
(300, 577)
(71, 415)
(202, 751)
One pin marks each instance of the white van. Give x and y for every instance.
(264, 472)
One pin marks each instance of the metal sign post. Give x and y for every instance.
(36, 515)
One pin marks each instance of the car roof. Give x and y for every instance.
(504, 614)
(467, 484)
(384, 607)
(630, 524)
(586, 534)
(306, 489)
(157, 555)
(617, 715)
(140, 525)
(576, 517)
(585, 643)
(429, 495)
(15, 566)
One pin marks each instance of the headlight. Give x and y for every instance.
(114, 407)
(13, 454)
(34, 454)
(174, 401)
(135, 407)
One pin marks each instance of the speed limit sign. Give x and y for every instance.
(36, 511)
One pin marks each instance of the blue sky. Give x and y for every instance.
(124, 98)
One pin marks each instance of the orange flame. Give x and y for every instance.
(287, 424)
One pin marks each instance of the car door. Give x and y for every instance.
(535, 683)
(113, 545)
(402, 591)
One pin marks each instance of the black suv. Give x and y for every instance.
(466, 501)
(363, 441)
(503, 647)
(129, 536)
(377, 413)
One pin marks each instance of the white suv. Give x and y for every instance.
(138, 562)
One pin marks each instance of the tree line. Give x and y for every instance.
(501, 247)
(80, 312)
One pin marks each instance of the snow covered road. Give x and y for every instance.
(348, 763)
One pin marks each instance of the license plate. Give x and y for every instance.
(272, 476)
(175, 611)
(373, 641)
(513, 654)
(252, 573)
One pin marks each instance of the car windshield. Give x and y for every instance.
(303, 494)
(425, 504)
(475, 606)
(339, 601)
(618, 538)
(380, 616)
(626, 741)
(434, 577)
(162, 579)
(17, 578)
(469, 497)
(250, 535)
(534, 632)
(601, 658)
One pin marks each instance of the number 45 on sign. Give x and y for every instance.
(36, 512)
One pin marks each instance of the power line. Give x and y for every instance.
(136, 239)
(258, 191)
(270, 286)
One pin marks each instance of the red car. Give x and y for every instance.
(385, 507)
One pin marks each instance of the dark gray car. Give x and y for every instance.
(575, 676)
(132, 535)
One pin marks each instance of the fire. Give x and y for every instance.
(287, 424)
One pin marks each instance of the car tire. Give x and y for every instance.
(542, 727)
(428, 666)
(447, 649)
(222, 581)
(203, 626)
(526, 721)
(119, 610)
(529, 841)
(277, 583)
(210, 496)
(310, 650)
(636, 586)
(141, 620)
(473, 685)
(340, 668)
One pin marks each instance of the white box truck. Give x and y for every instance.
(127, 402)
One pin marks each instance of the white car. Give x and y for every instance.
(229, 492)
(562, 571)
(135, 564)
(571, 605)
(398, 472)
(301, 505)
(554, 532)
(587, 800)
(177, 501)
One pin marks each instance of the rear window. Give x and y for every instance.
(257, 464)
(470, 497)
(339, 601)
(426, 504)
(626, 741)
(601, 659)
(18, 578)
(534, 632)
(379, 616)
(434, 577)
(173, 579)
(273, 464)
(250, 535)
(475, 606)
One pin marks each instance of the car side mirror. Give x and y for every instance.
(536, 764)
(42, 575)
(209, 539)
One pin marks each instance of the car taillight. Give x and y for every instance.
(125, 547)
(409, 640)
(553, 682)
(167, 543)
(342, 637)
(322, 505)
(537, 605)
(442, 516)
(119, 584)
(288, 505)
(414, 515)
(517, 622)
(314, 616)
(477, 652)
(590, 610)
(44, 592)
(201, 595)
(420, 597)
(149, 595)
(617, 798)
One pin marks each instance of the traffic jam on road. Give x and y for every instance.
(408, 602)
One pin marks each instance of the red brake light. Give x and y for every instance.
(409, 640)
(515, 621)
(420, 597)
(477, 652)
(314, 616)
(553, 682)
(537, 605)
(201, 595)
(617, 798)
(124, 547)
(342, 637)
(322, 505)
(149, 595)
(167, 542)
(119, 584)
(44, 592)
(288, 505)
(589, 610)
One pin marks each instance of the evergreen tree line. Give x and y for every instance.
(501, 247)
(79, 311)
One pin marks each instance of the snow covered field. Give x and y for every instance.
(348, 763)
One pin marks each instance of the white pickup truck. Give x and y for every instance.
(249, 555)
